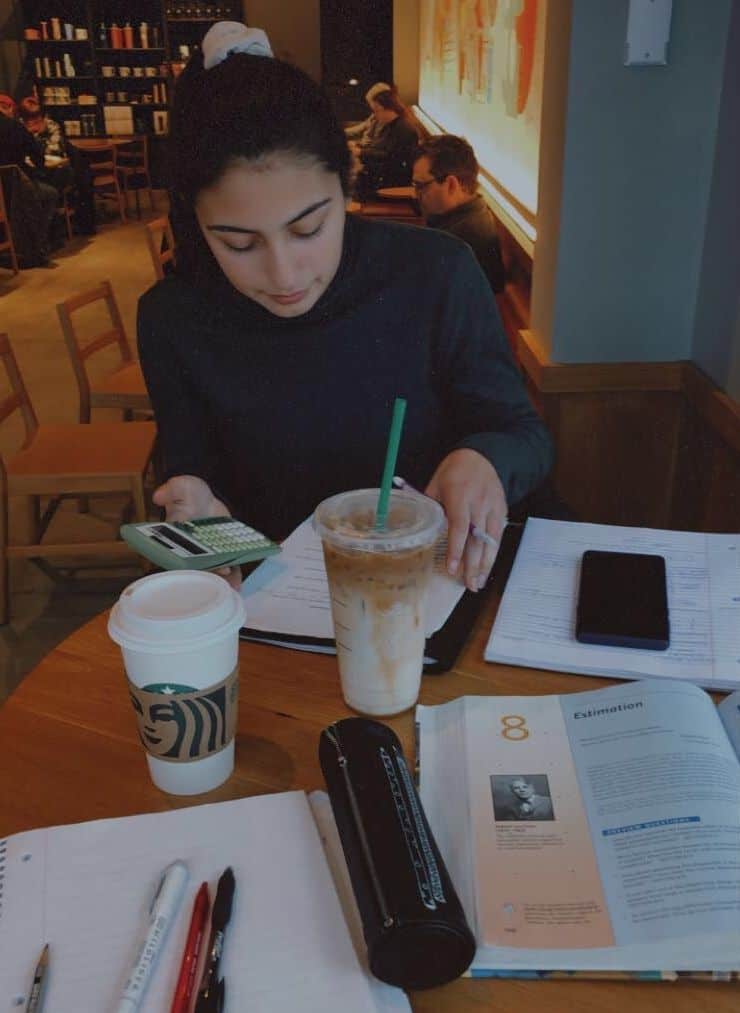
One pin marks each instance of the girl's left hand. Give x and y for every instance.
(470, 492)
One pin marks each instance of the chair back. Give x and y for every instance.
(79, 353)
(101, 160)
(6, 235)
(19, 399)
(133, 155)
(161, 243)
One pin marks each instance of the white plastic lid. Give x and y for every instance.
(174, 610)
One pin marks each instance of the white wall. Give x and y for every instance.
(406, 49)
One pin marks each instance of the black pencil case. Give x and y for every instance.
(415, 928)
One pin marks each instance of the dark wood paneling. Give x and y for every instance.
(654, 444)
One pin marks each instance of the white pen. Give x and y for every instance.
(475, 531)
(162, 913)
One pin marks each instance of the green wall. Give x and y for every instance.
(716, 337)
(638, 171)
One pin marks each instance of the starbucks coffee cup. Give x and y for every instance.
(179, 635)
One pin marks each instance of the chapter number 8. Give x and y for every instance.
(514, 727)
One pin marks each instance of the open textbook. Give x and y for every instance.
(86, 889)
(535, 623)
(595, 831)
(288, 604)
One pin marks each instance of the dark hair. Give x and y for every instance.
(247, 107)
(450, 156)
(389, 99)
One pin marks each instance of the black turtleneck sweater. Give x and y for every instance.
(276, 414)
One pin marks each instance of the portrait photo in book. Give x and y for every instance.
(521, 797)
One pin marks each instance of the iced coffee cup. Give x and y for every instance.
(179, 635)
(378, 582)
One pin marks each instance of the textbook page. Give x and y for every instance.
(289, 593)
(602, 827)
(86, 888)
(535, 624)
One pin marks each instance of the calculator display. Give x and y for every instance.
(173, 535)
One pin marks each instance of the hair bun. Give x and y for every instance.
(227, 37)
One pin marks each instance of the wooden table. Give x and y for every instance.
(397, 192)
(93, 143)
(70, 752)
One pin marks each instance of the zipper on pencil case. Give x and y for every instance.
(387, 918)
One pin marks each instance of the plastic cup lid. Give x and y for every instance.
(175, 610)
(347, 521)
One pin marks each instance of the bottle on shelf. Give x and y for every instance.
(69, 69)
(116, 36)
(128, 36)
(103, 37)
(38, 66)
(144, 35)
(57, 69)
(156, 38)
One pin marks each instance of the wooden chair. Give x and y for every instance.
(61, 461)
(6, 243)
(161, 243)
(102, 160)
(132, 163)
(66, 208)
(124, 387)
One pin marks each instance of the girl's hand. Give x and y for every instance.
(188, 498)
(470, 492)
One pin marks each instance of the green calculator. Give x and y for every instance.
(199, 544)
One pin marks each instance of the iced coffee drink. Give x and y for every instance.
(378, 582)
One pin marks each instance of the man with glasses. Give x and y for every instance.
(445, 179)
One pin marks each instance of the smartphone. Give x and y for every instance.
(623, 600)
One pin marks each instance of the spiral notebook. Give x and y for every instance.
(294, 940)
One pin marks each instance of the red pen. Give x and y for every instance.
(186, 978)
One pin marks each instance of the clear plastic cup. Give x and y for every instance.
(179, 635)
(378, 582)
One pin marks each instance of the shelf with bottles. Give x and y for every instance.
(63, 65)
(139, 36)
(41, 30)
(202, 11)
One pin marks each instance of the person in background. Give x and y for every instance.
(274, 353)
(74, 172)
(386, 159)
(360, 134)
(445, 179)
(19, 147)
(47, 131)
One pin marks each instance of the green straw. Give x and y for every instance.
(391, 454)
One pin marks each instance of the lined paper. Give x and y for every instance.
(86, 890)
(535, 625)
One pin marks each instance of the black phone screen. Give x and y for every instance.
(622, 601)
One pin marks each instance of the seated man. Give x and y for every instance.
(74, 171)
(445, 179)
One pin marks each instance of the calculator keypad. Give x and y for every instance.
(227, 536)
